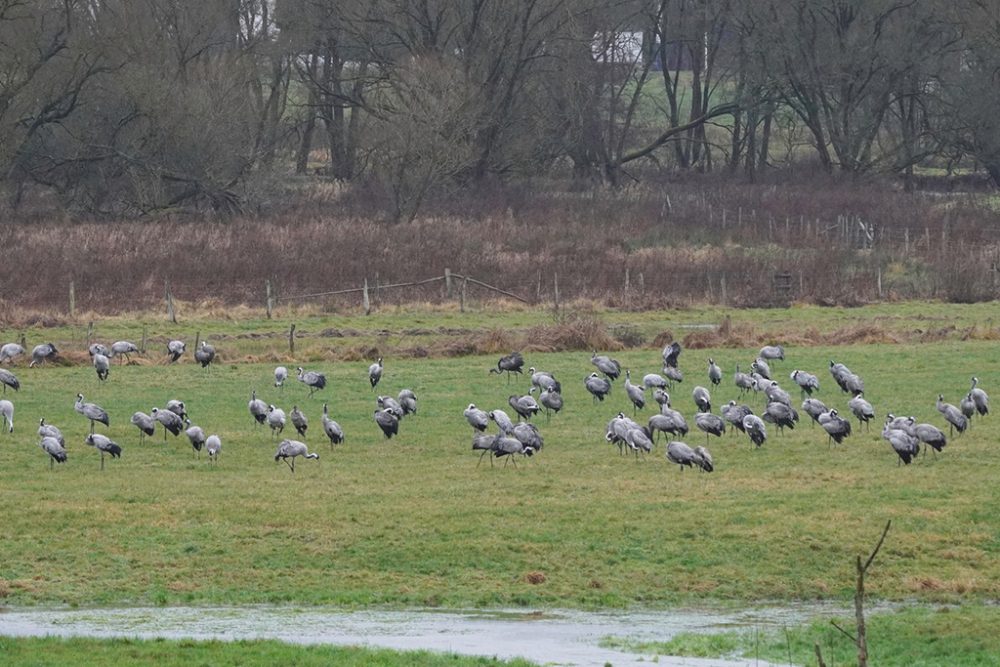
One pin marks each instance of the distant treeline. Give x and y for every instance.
(121, 108)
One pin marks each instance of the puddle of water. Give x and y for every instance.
(560, 637)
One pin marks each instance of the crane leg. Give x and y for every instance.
(102, 460)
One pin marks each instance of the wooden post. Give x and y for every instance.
(197, 339)
(555, 291)
(722, 288)
(378, 289)
(879, 280)
(365, 301)
(90, 333)
(291, 338)
(461, 296)
(269, 304)
(142, 346)
(170, 302)
(72, 299)
(447, 282)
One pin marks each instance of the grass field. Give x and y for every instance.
(413, 521)
(112, 652)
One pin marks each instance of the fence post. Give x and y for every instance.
(90, 333)
(269, 304)
(291, 338)
(72, 299)
(555, 291)
(447, 282)
(170, 302)
(461, 296)
(365, 301)
(142, 346)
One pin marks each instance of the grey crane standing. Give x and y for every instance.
(511, 363)
(407, 401)
(388, 421)
(50, 431)
(743, 381)
(331, 428)
(775, 394)
(289, 450)
(169, 420)
(636, 393)
(814, 408)
(483, 442)
(503, 421)
(42, 353)
(299, 421)
(671, 353)
(597, 386)
(808, 383)
(528, 435)
(196, 435)
(931, 436)
(98, 348)
(673, 374)
(177, 407)
(276, 420)
(702, 399)
(654, 381)
(682, 454)
(375, 373)
(258, 408)
(552, 401)
(760, 367)
(145, 424)
(388, 402)
(205, 354)
(504, 446)
(710, 424)
(102, 366)
(280, 375)
(91, 411)
(525, 406)
(104, 445)
(315, 380)
(9, 351)
(836, 427)
(478, 419)
(56, 452)
(542, 380)
(979, 398)
(714, 372)
(734, 414)
(906, 446)
(956, 420)
(123, 349)
(772, 353)
(8, 379)
(754, 427)
(610, 367)
(213, 447)
(781, 415)
(968, 407)
(176, 349)
(862, 409)
(7, 414)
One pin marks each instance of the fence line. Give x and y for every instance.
(447, 277)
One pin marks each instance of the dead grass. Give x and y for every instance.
(717, 241)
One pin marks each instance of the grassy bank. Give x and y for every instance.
(942, 637)
(413, 521)
(37, 652)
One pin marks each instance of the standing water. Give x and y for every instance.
(564, 637)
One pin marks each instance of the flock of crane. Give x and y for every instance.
(904, 434)
(520, 437)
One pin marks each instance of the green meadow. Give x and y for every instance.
(414, 521)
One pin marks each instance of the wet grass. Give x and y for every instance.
(42, 652)
(908, 638)
(414, 521)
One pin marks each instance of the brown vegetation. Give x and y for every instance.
(676, 244)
